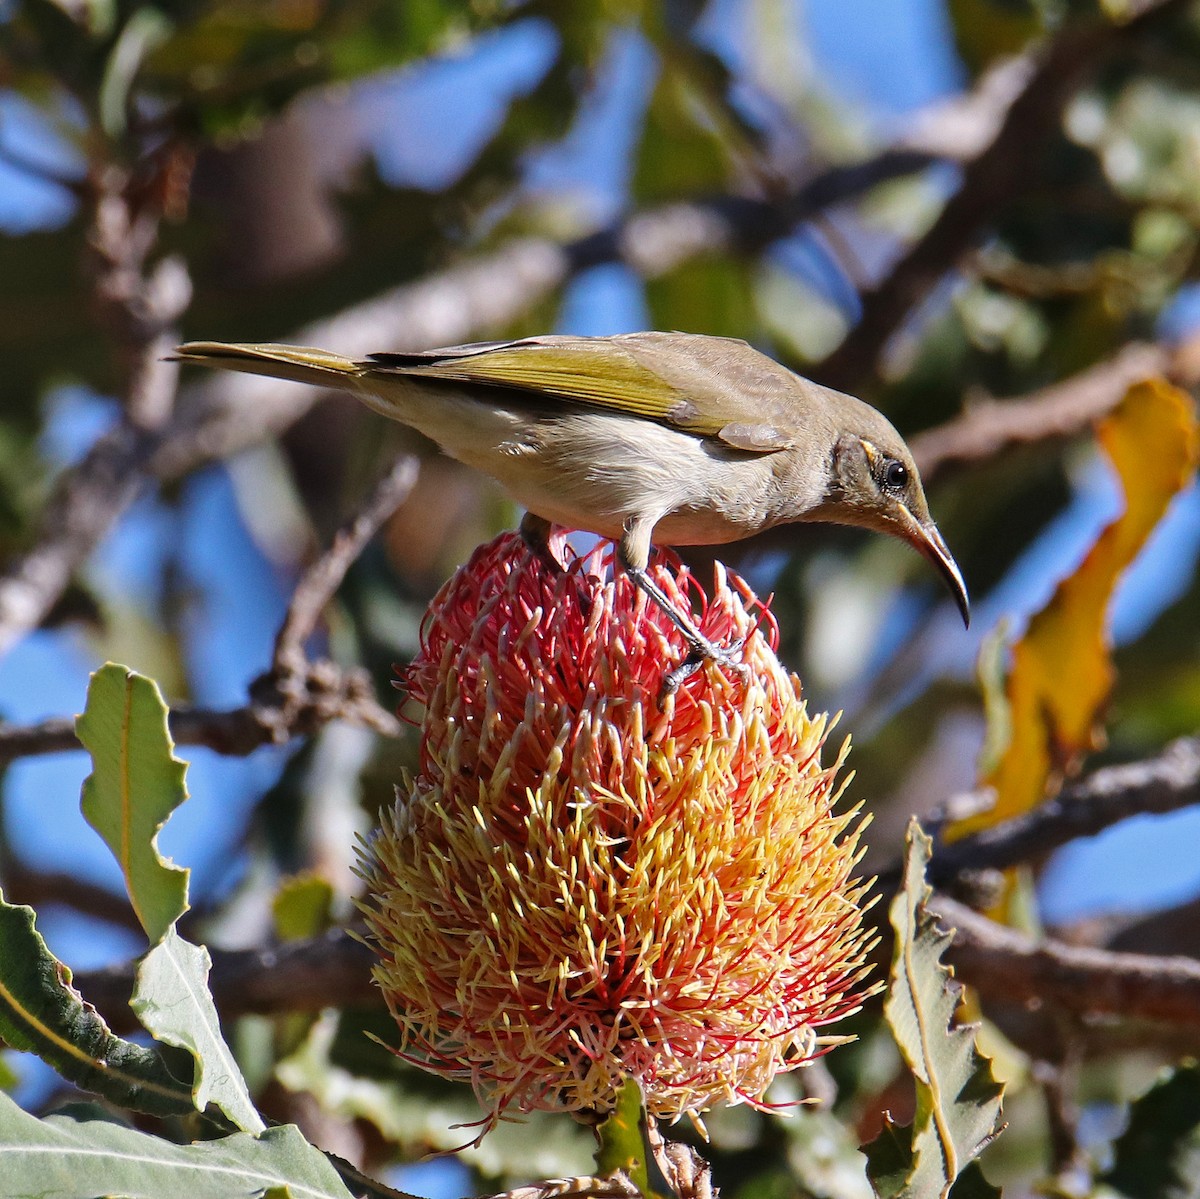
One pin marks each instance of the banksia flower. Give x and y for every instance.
(579, 885)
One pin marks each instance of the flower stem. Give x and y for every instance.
(624, 1144)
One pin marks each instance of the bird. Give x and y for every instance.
(644, 438)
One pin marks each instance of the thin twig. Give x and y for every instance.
(234, 732)
(83, 508)
(322, 579)
(139, 306)
(1165, 783)
(612, 1186)
(297, 696)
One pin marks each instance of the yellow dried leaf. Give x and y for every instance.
(1062, 671)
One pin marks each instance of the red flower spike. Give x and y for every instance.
(579, 886)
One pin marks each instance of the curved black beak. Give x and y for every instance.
(925, 537)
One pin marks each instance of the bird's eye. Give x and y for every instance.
(895, 476)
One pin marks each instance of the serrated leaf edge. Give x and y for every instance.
(206, 1014)
(123, 852)
(20, 1013)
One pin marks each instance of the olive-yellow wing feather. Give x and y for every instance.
(602, 373)
(687, 391)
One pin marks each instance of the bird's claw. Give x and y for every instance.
(707, 651)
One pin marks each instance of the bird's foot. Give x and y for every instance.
(700, 648)
(700, 652)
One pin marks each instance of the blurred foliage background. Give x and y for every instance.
(1003, 202)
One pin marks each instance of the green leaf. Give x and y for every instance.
(1158, 1155)
(80, 1153)
(680, 153)
(9, 1078)
(972, 1184)
(41, 1013)
(625, 1144)
(714, 293)
(958, 1100)
(172, 1000)
(997, 716)
(135, 785)
(890, 1159)
(302, 907)
(985, 30)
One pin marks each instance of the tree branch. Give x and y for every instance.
(235, 732)
(107, 480)
(1005, 964)
(1155, 786)
(1084, 808)
(298, 976)
(140, 307)
(38, 888)
(320, 582)
(219, 418)
(335, 969)
(306, 976)
(83, 508)
(990, 181)
(989, 428)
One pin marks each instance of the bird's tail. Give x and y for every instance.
(300, 364)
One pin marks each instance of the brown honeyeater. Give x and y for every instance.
(674, 438)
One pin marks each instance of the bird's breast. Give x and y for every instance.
(596, 471)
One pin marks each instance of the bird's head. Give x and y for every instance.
(873, 482)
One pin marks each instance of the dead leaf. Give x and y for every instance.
(1062, 672)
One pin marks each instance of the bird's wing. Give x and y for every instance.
(658, 377)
